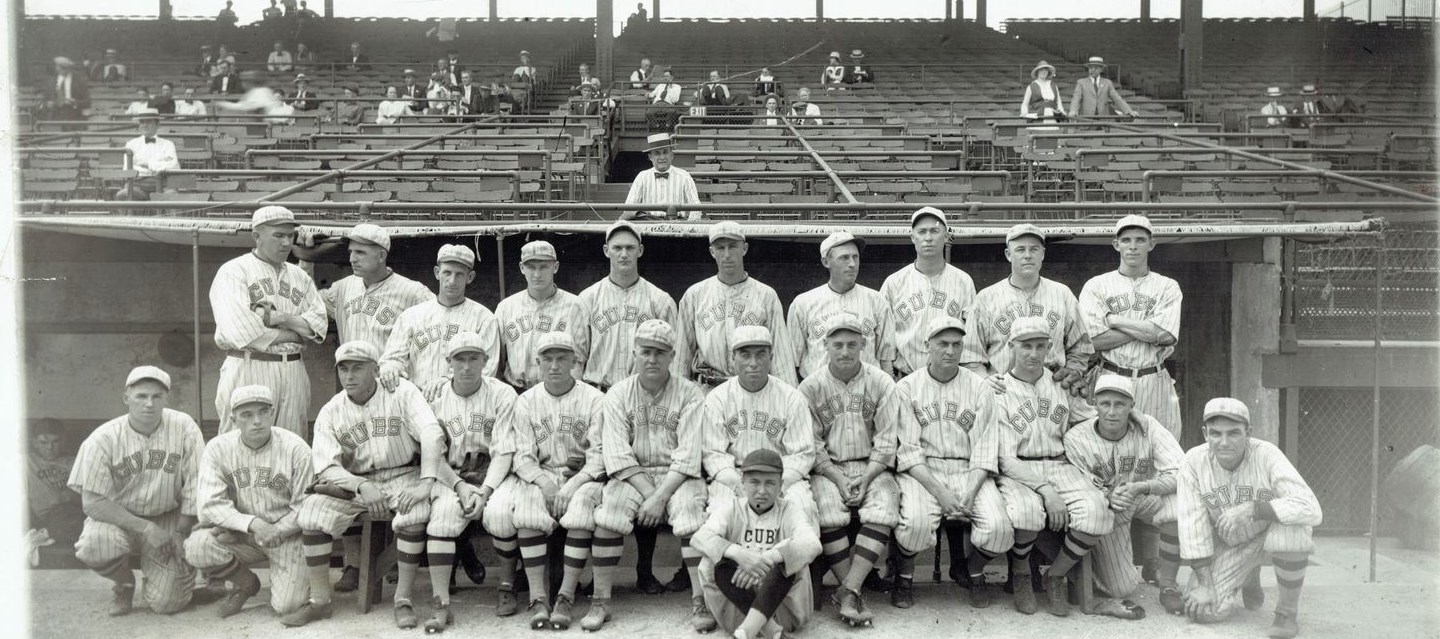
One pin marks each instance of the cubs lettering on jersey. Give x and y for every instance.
(523, 319)
(810, 315)
(615, 313)
(238, 483)
(554, 432)
(390, 430)
(916, 298)
(418, 345)
(711, 310)
(1151, 297)
(369, 313)
(987, 328)
(1206, 490)
(245, 282)
(776, 418)
(146, 475)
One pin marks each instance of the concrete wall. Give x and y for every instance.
(1255, 327)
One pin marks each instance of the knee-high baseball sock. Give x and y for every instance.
(508, 549)
(905, 565)
(532, 555)
(408, 548)
(441, 552)
(691, 558)
(606, 549)
(1290, 576)
(1145, 538)
(1075, 546)
(577, 553)
(118, 571)
(869, 543)
(645, 539)
(1020, 552)
(835, 551)
(1169, 554)
(975, 563)
(318, 546)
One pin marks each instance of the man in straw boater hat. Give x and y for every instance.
(1096, 95)
(1273, 107)
(857, 72)
(664, 183)
(149, 155)
(68, 95)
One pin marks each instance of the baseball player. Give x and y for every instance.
(811, 311)
(922, 291)
(854, 450)
(251, 481)
(541, 308)
(475, 411)
(1240, 500)
(558, 472)
(712, 310)
(617, 305)
(756, 548)
(1134, 461)
(419, 343)
(946, 454)
(651, 441)
(1039, 486)
(367, 441)
(136, 479)
(52, 506)
(266, 310)
(1026, 294)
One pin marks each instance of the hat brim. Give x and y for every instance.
(1036, 71)
(749, 343)
(640, 341)
(1120, 391)
(149, 378)
(539, 258)
(554, 347)
(355, 359)
(920, 216)
(277, 223)
(762, 468)
(727, 236)
(253, 400)
(858, 242)
(466, 349)
(1228, 415)
(1029, 336)
(657, 147)
(455, 260)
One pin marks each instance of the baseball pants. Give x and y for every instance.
(499, 515)
(1155, 396)
(794, 609)
(332, 515)
(287, 380)
(529, 510)
(168, 582)
(1113, 555)
(1089, 512)
(447, 517)
(289, 587)
(620, 503)
(881, 506)
(990, 528)
(1233, 564)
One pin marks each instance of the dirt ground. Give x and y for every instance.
(1337, 603)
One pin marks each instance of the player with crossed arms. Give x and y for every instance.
(922, 291)
(251, 481)
(528, 315)
(418, 346)
(811, 311)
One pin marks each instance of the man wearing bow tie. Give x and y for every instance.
(149, 155)
(663, 184)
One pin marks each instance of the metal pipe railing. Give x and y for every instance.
(1147, 178)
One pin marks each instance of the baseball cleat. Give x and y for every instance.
(851, 609)
(124, 600)
(439, 619)
(1284, 626)
(596, 618)
(505, 604)
(539, 614)
(1058, 593)
(405, 615)
(349, 580)
(1172, 601)
(648, 584)
(560, 615)
(700, 618)
(680, 582)
(1025, 595)
(307, 613)
(902, 592)
(979, 593)
(246, 585)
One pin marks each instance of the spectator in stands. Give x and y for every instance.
(765, 84)
(640, 78)
(1042, 97)
(289, 6)
(440, 96)
(637, 18)
(271, 12)
(1273, 107)
(227, 82)
(1096, 95)
(1310, 104)
(149, 155)
(393, 108)
(413, 91)
(304, 57)
(586, 78)
(833, 77)
(188, 105)
(227, 17)
(356, 60)
(857, 72)
(474, 100)
(452, 76)
(141, 103)
(347, 111)
(164, 102)
(67, 97)
(521, 79)
(664, 183)
(53, 506)
(500, 88)
(306, 12)
(304, 97)
(452, 58)
(586, 103)
(666, 94)
(771, 117)
(208, 60)
(712, 92)
(111, 69)
(280, 60)
(224, 55)
(806, 111)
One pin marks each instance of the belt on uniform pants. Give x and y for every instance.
(709, 380)
(1049, 458)
(263, 356)
(1128, 372)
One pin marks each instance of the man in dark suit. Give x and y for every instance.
(474, 99)
(356, 60)
(68, 94)
(228, 82)
(304, 97)
(414, 92)
(1095, 95)
(207, 60)
(856, 72)
(164, 102)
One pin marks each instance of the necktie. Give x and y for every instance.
(149, 140)
(662, 176)
(1097, 86)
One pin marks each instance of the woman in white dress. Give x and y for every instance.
(834, 74)
(1042, 98)
(392, 108)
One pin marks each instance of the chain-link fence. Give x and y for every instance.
(1335, 287)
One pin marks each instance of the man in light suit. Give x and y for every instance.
(1095, 95)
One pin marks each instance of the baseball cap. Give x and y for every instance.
(1116, 383)
(762, 460)
(837, 238)
(1021, 230)
(622, 225)
(1133, 220)
(370, 234)
(1227, 407)
(844, 322)
(142, 373)
(537, 250)
(252, 394)
(357, 351)
(726, 230)
(273, 214)
(555, 339)
(1029, 328)
(744, 336)
(656, 333)
(457, 253)
(944, 323)
(466, 341)
(930, 211)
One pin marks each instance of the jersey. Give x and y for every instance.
(1146, 451)
(1033, 418)
(238, 483)
(245, 282)
(45, 483)
(420, 342)
(915, 299)
(554, 433)
(615, 313)
(987, 328)
(810, 314)
(776, 417)
(523, 319)
(1151, 297)
(390, 430)
(643, 430)
(369, 313)
(783, 528)
(1206, 490)
(479, 423)
(852, 420)
(944, 420)
(709, 312)
(148, 476)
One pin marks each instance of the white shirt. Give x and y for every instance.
(666, 92)
(279, 61)
(189, 107)
(1273, 109)
(676, 186)
(150, 158)
(390, 111)
(62, 86)
(811, 115)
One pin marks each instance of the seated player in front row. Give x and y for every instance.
(1240, 501)
(757, 548)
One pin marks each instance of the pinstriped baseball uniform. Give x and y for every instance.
(477, 424)
(239, 284)
(652, 434)
(811, 311)
(737, 421)
(1031, 420)
(1145, 452)
(150, 477)
(677, 187)
(853, 427)
(392, 439)
(709, 312)
(916, 298)
(1153, 298)
(239, 484)
(1206, 490)
(421, 339)
(949, 428)
(987, 328)
(615, 313)
(553, 436)
(523, 319)
(370, 313)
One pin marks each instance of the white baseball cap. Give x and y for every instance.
(142, 373)
(370, 234)
(622, 225)
(930, 211)
(1133, 220)
(553, 340)
(466, 341)
(537, 250)
(656, 333)
(750, 336)
(1021, 230)
(252, 394)
(273, 214)
(1115, 383)
(1029, 328)
(942, 324)
(457, 253)
(1227, 407)
(726, 230)
(845, 322)
(357, 351)
(838, 238)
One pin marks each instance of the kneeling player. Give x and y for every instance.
(1239, 500)
(252, 480)
(757, 548)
